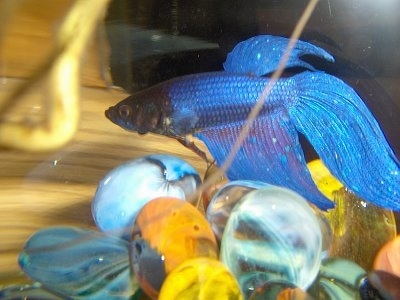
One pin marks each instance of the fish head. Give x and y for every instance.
(138, 114)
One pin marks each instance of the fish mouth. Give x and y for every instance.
(108, 114)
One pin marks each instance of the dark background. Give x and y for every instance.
(152, 41)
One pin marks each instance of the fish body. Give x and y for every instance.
(214, 107)
(192, 103)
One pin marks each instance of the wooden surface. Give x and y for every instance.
(27, 37)
(45, 189)
(39, 190)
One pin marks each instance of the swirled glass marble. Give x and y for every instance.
(123, 191)
(338, 279)
(279, 290)
(272, 234)
(167, 232)
(78, 263)
(221, 205)
(200, 278)
(326, 231)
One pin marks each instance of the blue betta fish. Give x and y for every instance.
(214, 106)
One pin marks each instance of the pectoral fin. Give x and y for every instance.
(271, 153)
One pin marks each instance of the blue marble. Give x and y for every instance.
(127, 188)
(222, 203)
(78, 263)
(272, 234)
(380, 285)
(33, 291)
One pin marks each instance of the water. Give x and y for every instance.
(162, 40)
(152, 41)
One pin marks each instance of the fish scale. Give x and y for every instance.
(218, 98)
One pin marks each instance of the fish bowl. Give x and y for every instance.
(184, 98)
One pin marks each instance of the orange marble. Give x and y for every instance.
(388, 258)
(176, 230)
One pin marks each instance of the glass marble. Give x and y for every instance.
(388, 257)
(148, 266)
(173, 229)
(140, 295)
(338, 278)
(78, 263)
(368, 292)
(272, 234)
(382, 285)
(124, 190)
(279, 290)
(33, 291)
(293, 294)
(324, 180)
(215, 185)
(221, 205)
(326, 230)
(359, 228)
(200, 278)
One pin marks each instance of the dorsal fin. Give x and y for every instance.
(261, 54)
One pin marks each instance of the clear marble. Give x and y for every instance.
(78, 263)
(271, 290)
(272, 234)
(124, 190)
(326, 231)
(222, 203)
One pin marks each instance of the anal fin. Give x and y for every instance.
(271, 153)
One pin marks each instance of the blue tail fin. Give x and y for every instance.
(347, 138)
(261, 54)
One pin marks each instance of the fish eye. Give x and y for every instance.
(124, 111)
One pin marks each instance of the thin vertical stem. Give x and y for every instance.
(262, 98)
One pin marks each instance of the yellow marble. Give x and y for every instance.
(202, 279)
